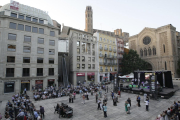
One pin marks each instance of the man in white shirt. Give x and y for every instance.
(21, 114)
(147, 104)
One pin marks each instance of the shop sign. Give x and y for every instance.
(39, 81)
(25, 81)
(80, 74)
(9, 82)
(50, 80)
(91, 73)
(14, 5)
(114, 73)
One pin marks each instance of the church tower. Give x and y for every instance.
(89, 19)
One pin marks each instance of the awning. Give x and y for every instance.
(114, 73)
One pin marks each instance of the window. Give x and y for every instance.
(35, 20)
(26, 59)
(11, 36)
(104, 40)
(154, 51)
(11, 59)
(93, 52)
(93, 46)
(51, 42)
(26, 71)
(28, 18)
(146, 40)
(110, 41)
(51, 71)
(21, 16)
(26, 49)
(20, 27)
(41, 40)
(78, 43)
(39, 71)
(51, 60)
(78, 58)
(78, 51)
(83, 66)
(89, 66)
(93, 59)
(51, 51)
(11, 48)
(149, 51)
(145, 52)
(83, 58)
(100, 38)
(40, 50)
(14, 15)
(89, 59)
(9, 72)
(27, 38)
(164, 48)
(12, 25)
(39, 60)
(141, 53)
(52, 33)
(27, 28)
(35, 30)
(107, 40)
(93, 66)
(41, 21)
(165, 66)
(78, 66)
(41, 30)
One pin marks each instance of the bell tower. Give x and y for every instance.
(89, 19)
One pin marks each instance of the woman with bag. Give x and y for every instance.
(128, 107)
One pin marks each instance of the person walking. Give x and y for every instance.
(112, 95)
(147, 104)
(96, 97)
(107, 88)
(83, 99)
(105, 110)
(138, 100)
(99, 102)
(42, 111)
(126, 109)
(129, 101)
(24, 90)
(87, 95)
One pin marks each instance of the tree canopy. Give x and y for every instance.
(132, 62)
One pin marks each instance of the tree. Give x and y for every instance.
(178, 67)
(132, 62)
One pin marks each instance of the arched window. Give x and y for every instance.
(164, 48)
(154, 51)
(149, 51)
(165, 65)
(145, 52)
(141, 53)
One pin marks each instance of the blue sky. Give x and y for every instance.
(129, 15)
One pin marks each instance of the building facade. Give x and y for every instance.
(107, 56)
(82, 57)
(120, 52)
(28, 48)
(89, 19)
(158, 47)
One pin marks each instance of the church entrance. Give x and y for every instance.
(149, 67)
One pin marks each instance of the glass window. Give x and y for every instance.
(89, 66)
(41, 21)
(39, 60)
(51, 60)
(27, 38)
(27, 28)
(78, 51)
(51, 51)
(83, 66)
(51, 42)
(93, 59)
(83, 58)
(11, 48)
(11, 36)
(14, 15)
(78, 43)
(41, 30)
(11, 59)
(51, 71)
(26, 71)
(41, 40)
(78, 66)
(89, 59)
(21, 17)
(39, 71)
(20, 27)
(27, 49)
(35, 20)
(52, 33)
(35, 30)
(78, 58)
(28, 18)
(12, 25)
(9, 72)
(93, 66)
(40, 50)
(26, 59)
(93, 46)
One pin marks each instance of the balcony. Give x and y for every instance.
(121, 45)
(101, 55)
(115, 69)
(118, 45)
(100, 48)
(106, 70)
(105, 63)
(101, 70)
(100, 63)
(115, 57)
(110, 56)
(115, 63)
(114, 50)
(106, 48)
(110, 49)
(120, 57)
(119, 51)
(120, 63)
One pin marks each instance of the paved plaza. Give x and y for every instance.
(88, 111)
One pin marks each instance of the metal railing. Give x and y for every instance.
(101, 70)
(114, 50)
(101, 55)
(100, 48)
(110, 49)
(105, 48)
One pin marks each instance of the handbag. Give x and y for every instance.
(128, 105)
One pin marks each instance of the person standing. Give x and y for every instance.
(107, 88)
(42, 111)
(112, 95)
(129, 101)
(126, 109)
(96, 97)
(105, 110)
(99, 102)
(24, 90)
(138, 100)
(83, 99)
(147, 104)
(87, 95)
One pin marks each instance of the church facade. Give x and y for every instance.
(158, 47)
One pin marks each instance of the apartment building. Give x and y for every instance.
(82, 57)
(120, 52)
(107, 56)
(28, 48)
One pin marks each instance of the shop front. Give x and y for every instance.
(39, 84)
(112, 75)
(90, 76)
(25, 84)
(50, 82)
(101, 77)
(9, 87)
(80, 78)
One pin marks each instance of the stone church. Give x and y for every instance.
(160, 47)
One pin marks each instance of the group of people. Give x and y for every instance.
(172, 113)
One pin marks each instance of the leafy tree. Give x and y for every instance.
(178, 67)
(132, 62)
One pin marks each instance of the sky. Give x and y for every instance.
(131, 16)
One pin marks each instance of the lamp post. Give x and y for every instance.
(163, 77)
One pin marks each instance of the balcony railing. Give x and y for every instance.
(114, 50)
(101, 70)
(100, 63)
(105, 48)
(115, 69)
(100, 48)
(115, 57)
(110, 49)
(101, 55)
(39, 74)
(106, 70)
(105, 63)
(109, 56)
